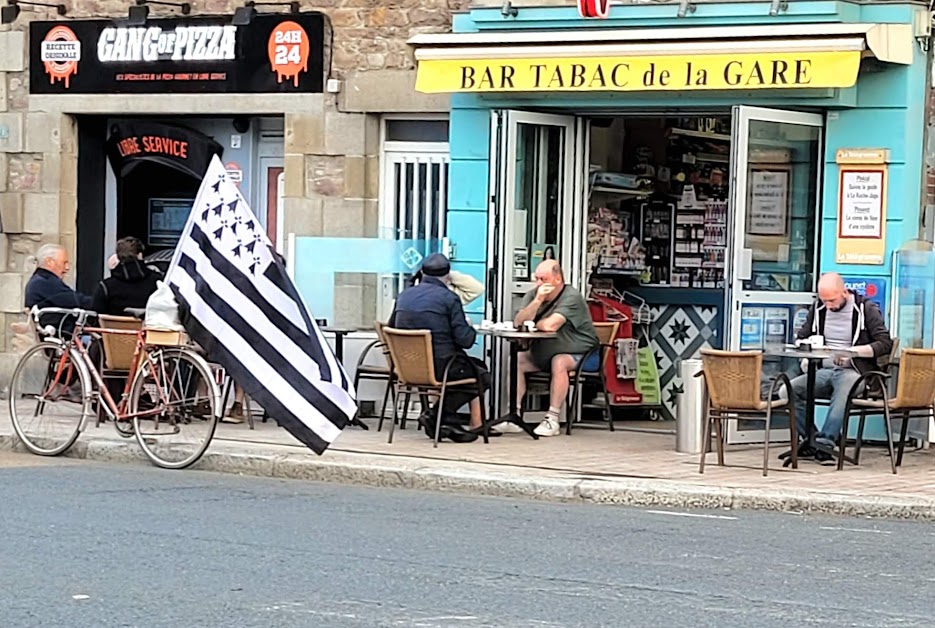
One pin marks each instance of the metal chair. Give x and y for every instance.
(915, 398)
(732, 380)
(606, 332)
(377, 372)
(414, 374)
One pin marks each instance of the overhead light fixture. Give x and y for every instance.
(245, 14)
(139, 12)
(10, 12)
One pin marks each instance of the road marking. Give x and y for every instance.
(689, 514)
(81, 597)
(855, 530)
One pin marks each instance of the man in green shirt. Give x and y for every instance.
(556, 307)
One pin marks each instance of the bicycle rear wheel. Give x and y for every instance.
(49, 398)
(178, 385)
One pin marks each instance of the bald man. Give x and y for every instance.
(847, 321)
(553, 306)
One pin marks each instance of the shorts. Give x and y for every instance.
(590, 365)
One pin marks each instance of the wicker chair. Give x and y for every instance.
(118, 350)
(377, 372)
(732, 380)
(414, 373)
(606, 332)
(915, 398)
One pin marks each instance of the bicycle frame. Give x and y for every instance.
(116, 411)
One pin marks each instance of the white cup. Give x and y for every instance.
(485, 324)
(817, 341)
(530, 326)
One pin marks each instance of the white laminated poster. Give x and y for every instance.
(861, 204)
(520, 264)
(769, 202)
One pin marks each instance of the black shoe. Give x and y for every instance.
(804, 451)
(480, 431)
(457, 434)
(823, 456)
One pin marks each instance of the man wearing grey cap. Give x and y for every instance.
(432, 305)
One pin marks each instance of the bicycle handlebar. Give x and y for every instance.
(80, 314)
(63, 310)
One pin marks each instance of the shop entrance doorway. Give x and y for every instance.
(533, 190)
(774, 208)
(710, 219)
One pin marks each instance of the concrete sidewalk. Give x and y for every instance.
(592, 465)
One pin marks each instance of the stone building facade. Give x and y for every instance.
(331, 140)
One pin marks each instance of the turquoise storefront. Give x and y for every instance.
(761, 143)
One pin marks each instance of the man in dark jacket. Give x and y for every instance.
(847, 321)
(432, 305)
(47, 289)
(130, 284)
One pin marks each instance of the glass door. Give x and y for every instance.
(532, 189)
(775, 197)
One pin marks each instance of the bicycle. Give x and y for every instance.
(170, 389)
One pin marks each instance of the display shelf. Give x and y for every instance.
(617, 272)
(701, 134)
(600, 189)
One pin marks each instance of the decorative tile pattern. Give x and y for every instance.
(677, 334)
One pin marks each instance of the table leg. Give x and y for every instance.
(339, 347)
(514, 382)
(339, 354)
(810, 403)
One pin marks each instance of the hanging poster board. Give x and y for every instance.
(769, 201)
(862, 189)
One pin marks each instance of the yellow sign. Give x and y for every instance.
(861, 237)
(773, 70)
(862, 156)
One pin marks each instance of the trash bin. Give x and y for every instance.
(689, 418)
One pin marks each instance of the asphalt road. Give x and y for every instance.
(88, 545)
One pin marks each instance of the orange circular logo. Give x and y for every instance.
(288, 49)
(60, 52)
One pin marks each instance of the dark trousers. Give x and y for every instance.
(457, 396)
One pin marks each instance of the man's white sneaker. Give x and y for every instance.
(507, 428)
(549, 427)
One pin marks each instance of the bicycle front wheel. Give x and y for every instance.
(49, 398)
(175, 388)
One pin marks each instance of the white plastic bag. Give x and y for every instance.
(162, 310)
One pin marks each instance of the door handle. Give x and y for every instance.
(745, 265)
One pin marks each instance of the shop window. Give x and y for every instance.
(413, 195)
(416, 131)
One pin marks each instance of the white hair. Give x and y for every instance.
(47, 252)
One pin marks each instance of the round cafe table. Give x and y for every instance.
(814, 358)
(515, 338)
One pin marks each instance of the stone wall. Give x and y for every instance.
(331, 143)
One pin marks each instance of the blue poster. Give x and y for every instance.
(873, 288)
(751, 327)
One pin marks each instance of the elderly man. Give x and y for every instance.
(47, 289)
(553, 306)
(432, 305)
(847, 321)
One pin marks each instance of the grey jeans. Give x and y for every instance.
(830, 383)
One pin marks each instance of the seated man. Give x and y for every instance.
(46, 289)
(555, 307)
(432, 305)
(130, 284)
(847, 321)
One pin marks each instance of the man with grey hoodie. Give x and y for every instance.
(847, 321)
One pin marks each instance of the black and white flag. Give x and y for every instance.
(238, 303)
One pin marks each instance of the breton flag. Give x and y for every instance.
(238, 303)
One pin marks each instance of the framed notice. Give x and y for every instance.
(768, 212)
(862, 188)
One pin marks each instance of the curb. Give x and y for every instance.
(478, 479)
